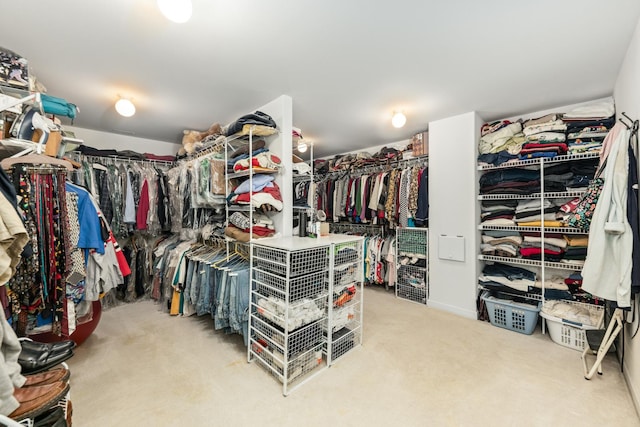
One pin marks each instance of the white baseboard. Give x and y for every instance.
(635, 393)
(470, 314)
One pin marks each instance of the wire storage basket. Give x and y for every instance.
(511, 315)
(412, 262)
(572, 333)
(291, 263)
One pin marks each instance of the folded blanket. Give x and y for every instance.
(259, 181)
(492, 142)
(556, 126)
(603, 109)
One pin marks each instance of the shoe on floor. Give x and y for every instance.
(47, 377)
(37, 399)
(52, 418)
(41, 346)
(33, 362)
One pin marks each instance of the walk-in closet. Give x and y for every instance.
(299, 213)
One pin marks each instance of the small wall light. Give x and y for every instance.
(125, 107)
(398, 120)
(178, 11)
(302, 146)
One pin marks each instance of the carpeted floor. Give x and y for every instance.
(417, 367)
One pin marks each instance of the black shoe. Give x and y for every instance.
(53, 418)
(33, 362)
(41, 346)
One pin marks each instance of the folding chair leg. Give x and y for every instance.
(609, 337)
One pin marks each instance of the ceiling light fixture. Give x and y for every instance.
(302, 146)
(125, 107)
(178, 11)
(398, 120)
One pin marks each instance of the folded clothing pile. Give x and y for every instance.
(265, 196)
(262, 225)
(510, 181)
(576, 250)
(573, 313)
(261, 160)
(583, 172)
(529, 210)
(498, 212)
(574, 282)
(587, 126)
(497, 276)
(501, 243)
(242, 153)
(258, 123)
(545, 137)
(554, 246)
(500, 142)
(342, 317)
(501, 135)
(580, 130)
(300, 314)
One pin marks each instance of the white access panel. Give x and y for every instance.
(451, 247)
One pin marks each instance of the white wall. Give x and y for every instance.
(453, 211)
(281, 110)
(627, 96)
(105, 140)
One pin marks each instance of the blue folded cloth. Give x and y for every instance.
(260, 181)
(58, 106)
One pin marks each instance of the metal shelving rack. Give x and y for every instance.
(287, 316)
(413, 281)
(542, 264)
(346, 278)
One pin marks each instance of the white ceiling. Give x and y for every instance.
(346, 64)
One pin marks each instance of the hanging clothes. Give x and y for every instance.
(607, 269)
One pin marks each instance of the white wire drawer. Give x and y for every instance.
(349, 252)
(292, 343)
(296, 263)
(347, 316)
(272, 360)
(344, 340)
(292, 316)
(310, 286)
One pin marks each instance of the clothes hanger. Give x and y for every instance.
(36, 159)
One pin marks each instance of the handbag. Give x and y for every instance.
(582, 213)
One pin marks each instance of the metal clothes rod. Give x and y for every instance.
(395, 164)
(378, 229)
(98, 159)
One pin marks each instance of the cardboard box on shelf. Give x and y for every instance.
(14, 69)
(420, 144)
